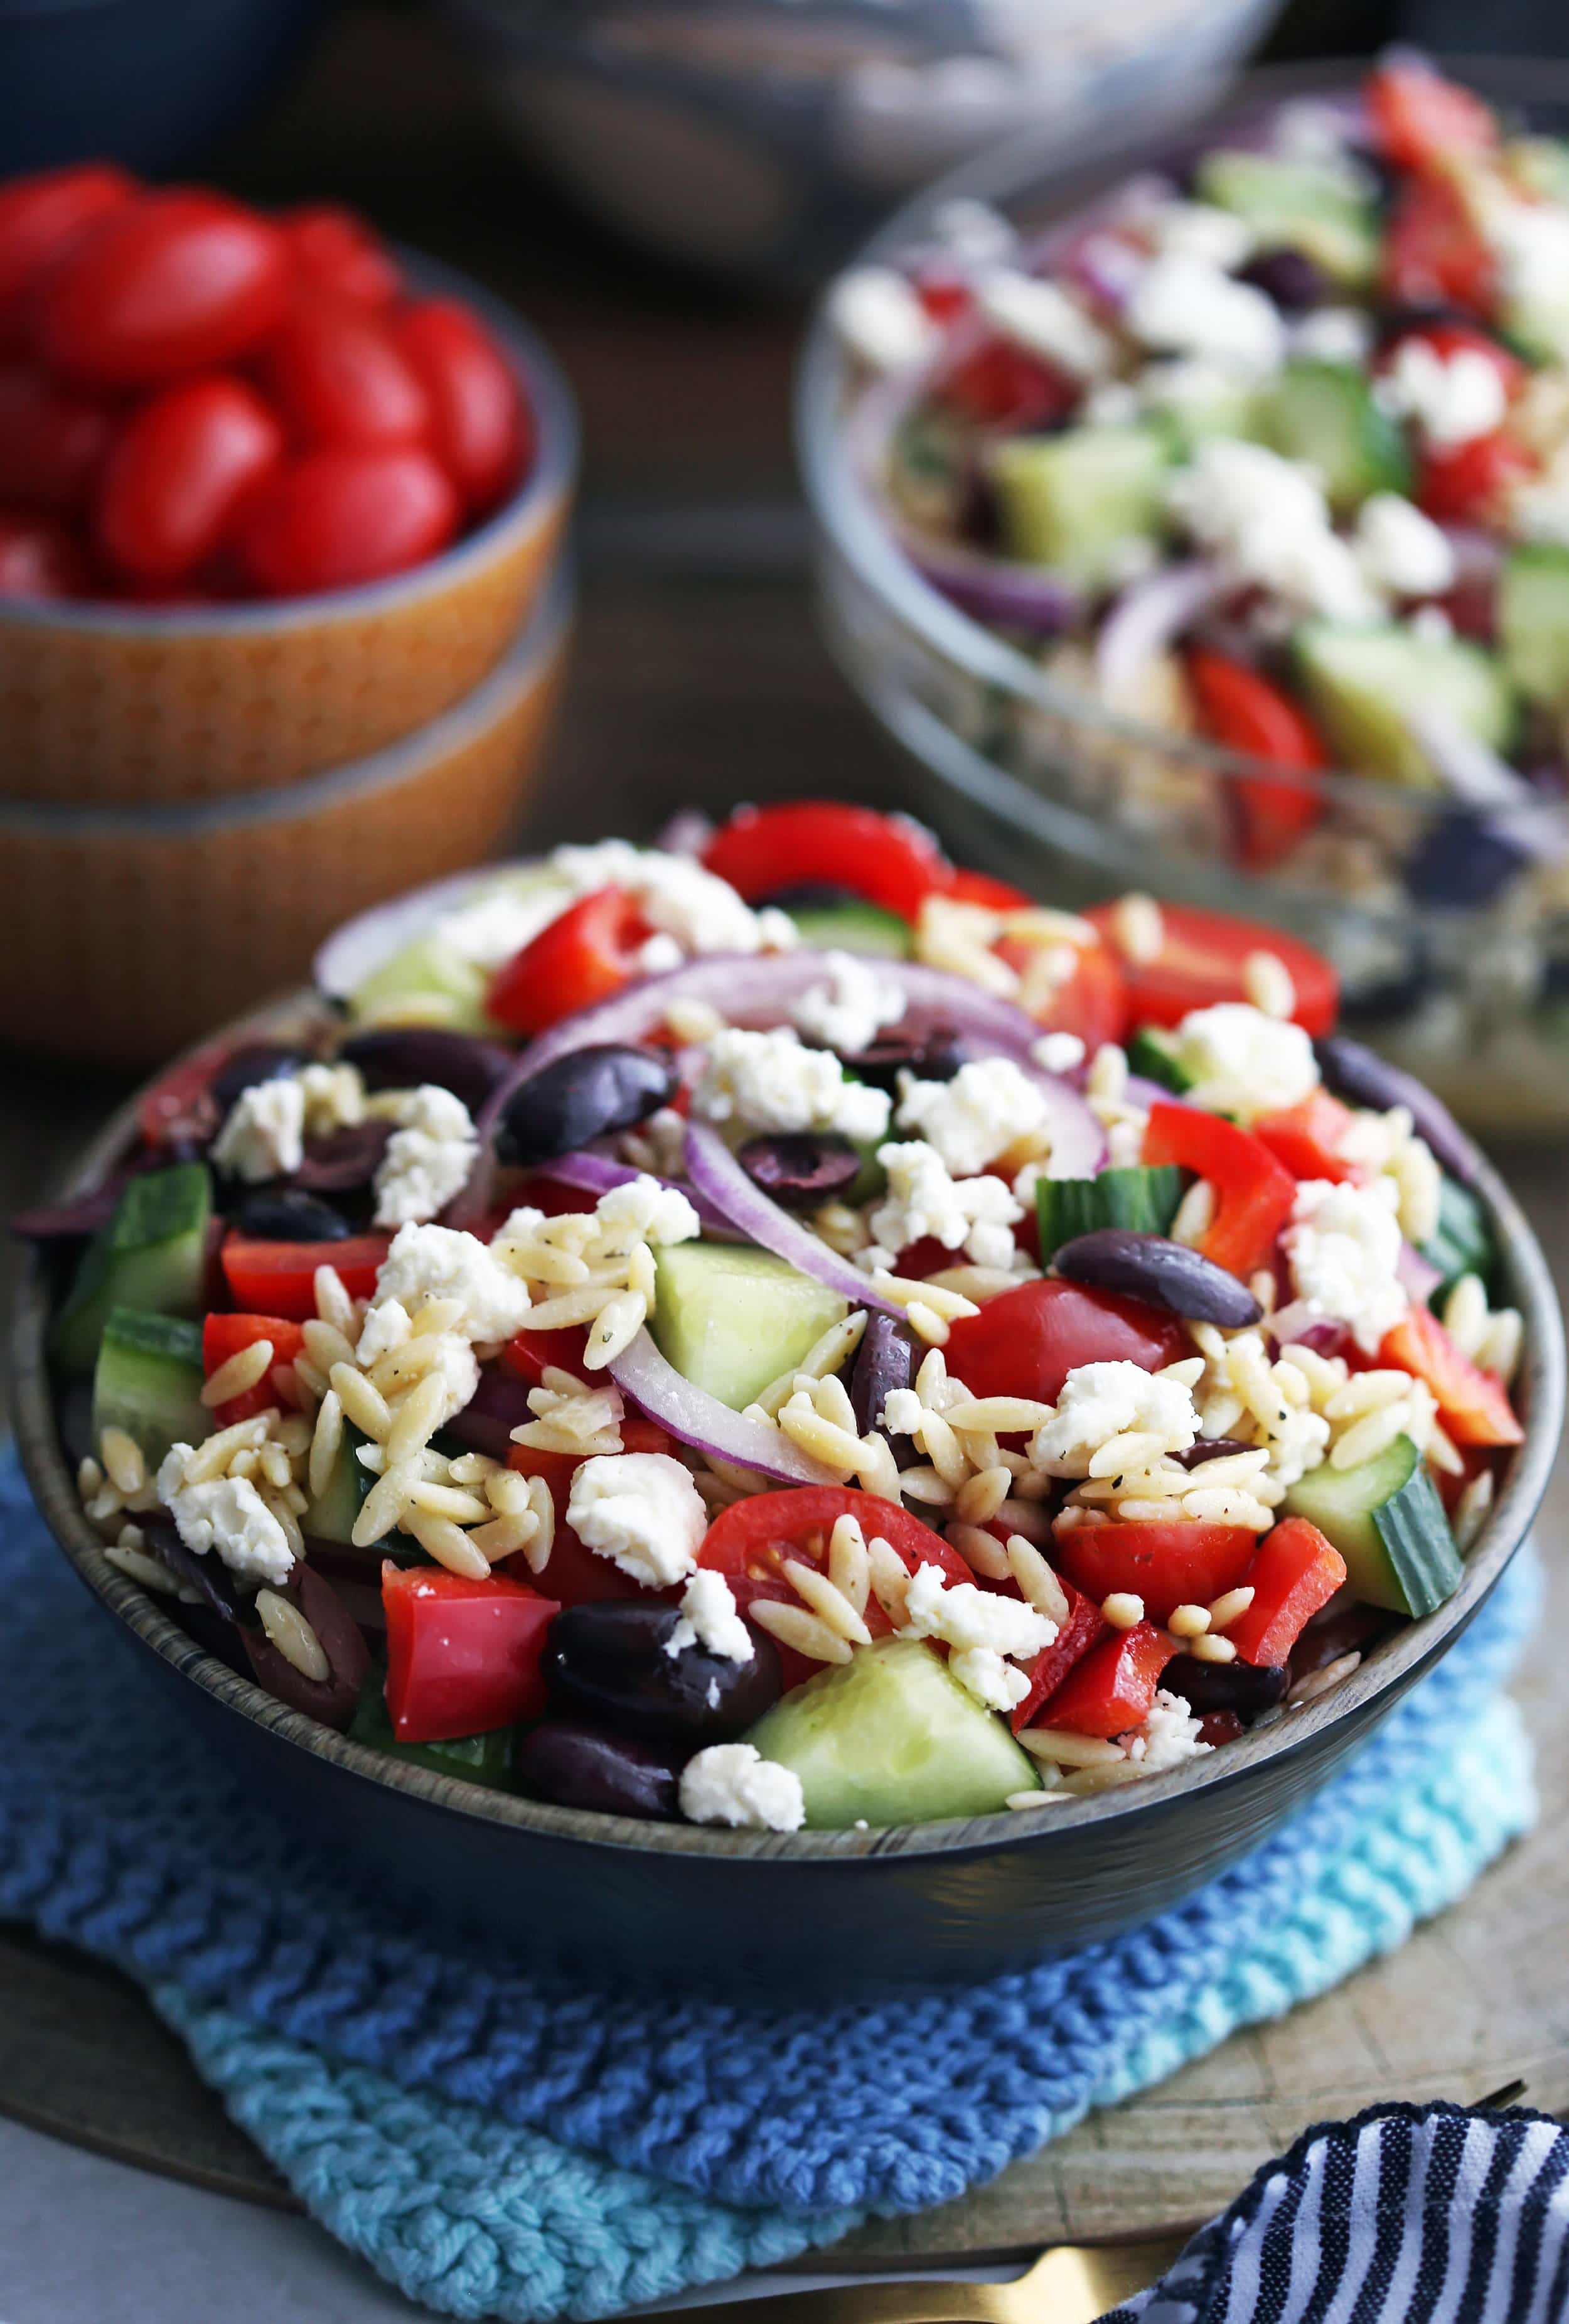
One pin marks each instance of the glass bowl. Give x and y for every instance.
(1049, 788)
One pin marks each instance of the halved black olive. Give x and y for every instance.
(1170, 1275)
(612, 1662)
(801, 1169)
(579, 1097)
(287, 1216)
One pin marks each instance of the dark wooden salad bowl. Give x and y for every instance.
(829, 1910)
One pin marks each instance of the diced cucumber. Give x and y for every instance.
(152, 1255)
(1463, 1244)
(478, 1758)
(1297, 206)
(1151, 1052)
(1533, 621)
(1363, 684)
(1540, 164)
(854, 926)
(331, 1514)
(1074, 502)
(427, 982)
(893, 1738)
(731, 1318)
(1205, 405)
(1538, 329)
(1324, 414)
(1142, 1199)
(148, 1381)
(1387, 1521)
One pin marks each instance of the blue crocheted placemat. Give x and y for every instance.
(499, 2144)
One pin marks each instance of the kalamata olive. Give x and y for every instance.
(1170, 1275)
(1339, 1629)
(70, 1221)
(1249, 1688)
(885, 1361)
(332, 1700)
(1289, 277)
(405, 1057)
(935, 1055)
(1209, 1448)
(801, 1169)
(612, 1661)
(205, 1573)
(581, 1767)
(1403, 318)
(1355, 1072)
(814, 896)
(579, 1097)
(259, 1061)
(341, 1161)
(288, 1216)
(497, 1405)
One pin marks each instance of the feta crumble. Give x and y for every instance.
(431, 1262)
(850, 1007)
(1450, 399)
(976, 1215)
(1343, 1247)
(642, 1511)
(1057, 1053)
(226, 1514)
(983, 1630)
(988, 1106)
(1200, 230)
(428, 1156)
(903, 1412)
(1043, 319)
(1180, 304)
(646, 1212)
(878, 317)
(772, 1081)
(263, 1133)
(676, 896)
(1402, 550)
(1333, 335)
(1100, 1401)
(732, 1784)
(1240, 1062)
(488, 931)
(1267, 521)
(709, 1620)
(1168, 1736)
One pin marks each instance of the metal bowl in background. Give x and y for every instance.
(833, 1911)
(763, 138)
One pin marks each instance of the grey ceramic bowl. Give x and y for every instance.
(836, 1910)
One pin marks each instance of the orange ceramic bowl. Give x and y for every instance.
(113, 703)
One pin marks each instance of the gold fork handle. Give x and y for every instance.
(1072, 2284)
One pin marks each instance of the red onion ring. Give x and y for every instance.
(709, 1426)
(1145, 620)
(716, 1173)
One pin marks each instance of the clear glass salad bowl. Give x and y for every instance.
(1050, 789)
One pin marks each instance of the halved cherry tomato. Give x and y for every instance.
(1254, 1193)
(1306, 1137)
(999, 385)
(1473, 1405)
(335, 252)
(1243, 710)
(573, 1574)
(1421, 119)
(38, 558)
(585, 956)
(1092, 1002)
(1166, 1566)
(967, 886)
(279, 1279)
(1295, 1573)
(223, 1336)
(1468, 484)
(40, 216)
(181, 467)
(886, 859)
(1085, 1625)
(1025, 1343)
(170, 282)
(1113, 1688)
(463, 1655)
(481, 430)
(337, 375)
(1202, 960)
(332, 520)
(1433, 254)
(53, 443)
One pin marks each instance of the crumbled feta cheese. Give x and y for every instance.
(264, 1134)
(1057, 1053)
(1112, 404)
(334, 1098)
(1180, 306)
(429, 1157)
(676, 896)
(385, 1329)
(733, 1784)
(1185, 384)
(1268, 520)
(878, 317)
(226, 1514)
(1309, 130)
(1432, 624)
(972, 230)
(1168, 1738)
(1241, 1061)
(1344, 1247)
(659, 954)
(976, 1215)
(642, 1511)
(1451, 399)
(988, 1106)
(1530, 241)
(500, 921)
(645, 1210)
(1333, 335)
(772, 1081)
(850, 1007)
(709, 1620)
(1043, 319)
(1402, 550)
(1100, 1401)
(903, 1412)
(1200, 230)
(430, 1262)
(983, 1629)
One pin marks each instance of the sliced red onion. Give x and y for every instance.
(709, 1426)
(716, 1173)
(1421, 1278)
(1475, 773)
(1145, 620)
(1001, 595)
(1139, 1092)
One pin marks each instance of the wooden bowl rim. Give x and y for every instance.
(1382, 1675)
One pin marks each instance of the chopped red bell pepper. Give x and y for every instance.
(1473, 1405)
(1113, 1688)
(223, 1336)
(279, 1279)
(1295, 1573)
(1421, 120)
(1244, 711)
(1254, 1193)
(1468, 484)
(1433, 253)
(1084, 1625)
(1002, 385)
(1166, 1566)
(463, 1655)
(1306, 1137)
(530, 1354)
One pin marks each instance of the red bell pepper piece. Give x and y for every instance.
(1113, 1688)
(279, 1279)
(1246, 713)
(530, 1354)
(1421, 120)
(1433, 253)
(1469, 485)
(1306, 1137)
(463, 1656)
(1473, 1406)
(1084, 1625)
(1166, 1566)
(1295, 1573)
(223, 1336)
(1254, 1193)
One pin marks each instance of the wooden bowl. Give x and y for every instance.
(112, 704)
(131, 930)
(832, 1911)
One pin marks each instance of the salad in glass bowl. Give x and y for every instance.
(776, 1331)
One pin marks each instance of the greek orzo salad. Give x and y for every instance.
(773, 1330)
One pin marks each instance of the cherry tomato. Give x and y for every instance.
(1433, 254)
(1092, 1002)
(463, 1654)
(335, 252)
(279, 1279)
(338, 376)
(181, 469)
(1025, 1343)
(1246, 713)
(38, 558)
(332, 520)
(886, 859)
(585, 956)
(1447, 339)
(53, 443)
(170, 282)
(223, 1336)
(481, 429)
(40, 216)
(574, 1574)
(1201, 961)
(1166, 1566)
(1421, 119)
(999, 385)
(980, 888)
(1468, 485)
(1473, 1405)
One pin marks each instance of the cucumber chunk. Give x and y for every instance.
(1324, 413)
(854, 928)
(1075, 502)
(892, 1737)
(731, 1318)
(148, 1381)
(1151, 1052)
(1533, 621)
(1140, 1198)
(1297, 206)
(1364, 683)
(152, 1255)
(1463, 1244)
(331, 1514)
(427, 982)
(1387, 1521)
